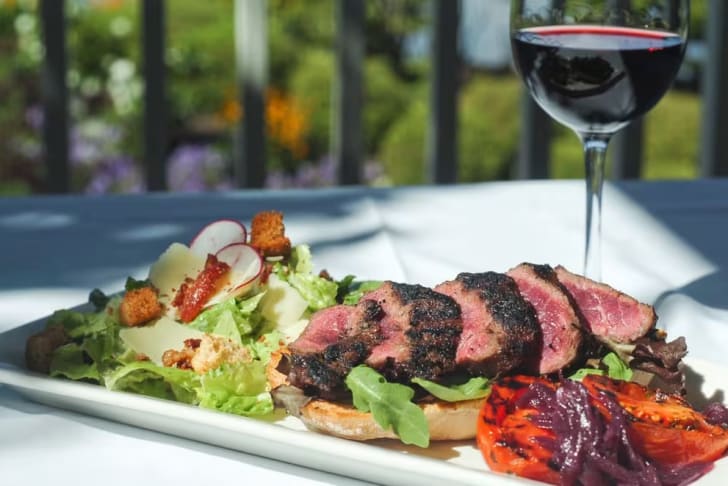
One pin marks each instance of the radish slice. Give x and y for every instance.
(217, 235)
(246, 265)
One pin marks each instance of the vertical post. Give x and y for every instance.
(155, 106)
(251, 52)
(55, 96)
(442, 158)
(626, 150)
(535, 141)
(714, 156)
(349, 90)
(534, 145)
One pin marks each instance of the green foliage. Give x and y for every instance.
(403, 149)
(311, 84)
(104, 38)
(672, 136)
(487, 133)
(670, 144)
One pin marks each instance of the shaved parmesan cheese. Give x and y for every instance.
(282, 303)
(152, 341)
(172, 268)
(293, 330)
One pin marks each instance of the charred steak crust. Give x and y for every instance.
(563, 340)
(519, 330)
(422, 332)
(322, 372)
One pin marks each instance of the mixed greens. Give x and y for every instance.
(97, 351)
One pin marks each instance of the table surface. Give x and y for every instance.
(664, 243)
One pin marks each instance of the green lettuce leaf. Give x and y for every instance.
(70, 361)
(476, 387)
(237, 388)
(262, 347)
(79, 324)
(147, 378)
(390, 404)
(301, 259)
(319, 292)
(242, 314)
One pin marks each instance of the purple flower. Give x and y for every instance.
(116, 174)
(322, 174)
(194, 168)
(34, 117)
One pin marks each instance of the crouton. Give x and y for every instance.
(139, 306)
(205, 354)
(268, 234)
(40, 347)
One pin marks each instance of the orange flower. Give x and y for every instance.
(286, 121)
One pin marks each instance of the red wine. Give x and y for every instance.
(596, 79)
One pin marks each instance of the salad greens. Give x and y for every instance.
(97, 353)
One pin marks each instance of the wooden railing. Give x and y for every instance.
(441, 156)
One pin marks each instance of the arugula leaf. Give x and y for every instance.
(615, 368)
(357, 291)
(579, 374)
(390, 404)
(476, 387)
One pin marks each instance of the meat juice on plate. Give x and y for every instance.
(596, 78)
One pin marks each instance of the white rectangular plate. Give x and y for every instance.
(285, 438)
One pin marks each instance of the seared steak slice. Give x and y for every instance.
(560, 326)
(500, 329)
(421, 329)
(335, 340)
(608, 314)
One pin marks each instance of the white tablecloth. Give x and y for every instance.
(664, 243)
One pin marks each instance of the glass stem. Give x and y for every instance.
(595, 155)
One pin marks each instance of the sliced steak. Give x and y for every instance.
(335, 340)
(608, 314)
(421, 330)
(560, 326)
(500, 329)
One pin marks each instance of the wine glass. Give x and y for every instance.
(594, 66)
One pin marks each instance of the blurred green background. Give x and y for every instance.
(106, 91)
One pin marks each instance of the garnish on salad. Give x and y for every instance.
(556, 377)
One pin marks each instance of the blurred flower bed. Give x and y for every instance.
(105, 87)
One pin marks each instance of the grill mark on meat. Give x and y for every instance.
(500, 329)
(562, 336)
(335, 340)
(610, 315)
(421, 330)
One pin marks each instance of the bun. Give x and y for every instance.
(446, 420)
